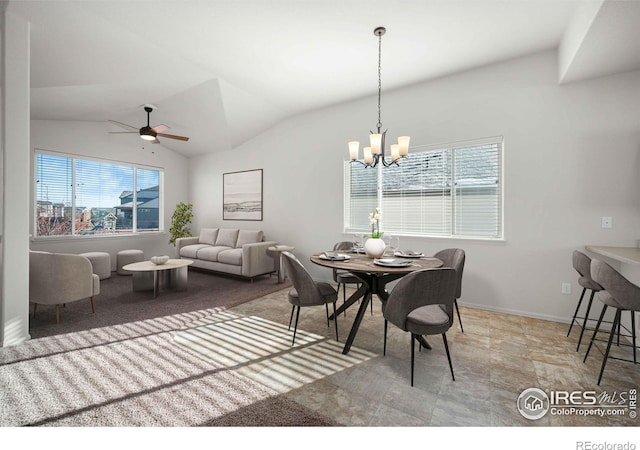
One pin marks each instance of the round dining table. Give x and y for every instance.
(374, 277)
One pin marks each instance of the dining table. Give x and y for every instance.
(375, 274)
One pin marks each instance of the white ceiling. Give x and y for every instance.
(222, 71)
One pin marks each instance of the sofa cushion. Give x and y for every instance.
(210, 253)
(191, 251)
(248, 237)
(208, 236)
(232, 257)
(227, 237)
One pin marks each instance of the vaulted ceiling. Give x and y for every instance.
(222, 71)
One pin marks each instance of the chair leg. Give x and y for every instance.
(413, 348)
(384, 345)
(57, 314)
(576, 312)
(326, 308)
(586, 317)
(295, 328)
(293, 308)
(616, 321)
(446, 347)
(455, 302)
(633, 334)
(344, 297)
(595, 332)
(335, 320)
(93, 305)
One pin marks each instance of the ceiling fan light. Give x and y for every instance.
(148, 137)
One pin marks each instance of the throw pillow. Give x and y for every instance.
(227, 237)
(248, 237)
(208, 236)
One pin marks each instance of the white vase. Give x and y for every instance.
(374, 247)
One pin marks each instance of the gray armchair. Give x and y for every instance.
(58, 278)
(454, 258)
(422, 304)
(307, 292)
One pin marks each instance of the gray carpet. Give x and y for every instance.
(131, 372)
(117, 303)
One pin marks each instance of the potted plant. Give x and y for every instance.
(374, 246)
(180, 220)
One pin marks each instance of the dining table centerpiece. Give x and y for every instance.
(374, 246)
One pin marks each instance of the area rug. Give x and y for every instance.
(135, 374)
(117, 303)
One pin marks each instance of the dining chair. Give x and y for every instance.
(454, 258)
(343, 277)
(582, 265)
(422, 304)
(620, 294)
(307, 292)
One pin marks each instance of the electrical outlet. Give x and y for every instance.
(607, 222)
(566, 288)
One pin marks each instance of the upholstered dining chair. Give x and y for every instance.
(618, 293)
(422, 304)
(307, 292)
(454, 258)
(58, 279)
(582, 265)
(342, 277)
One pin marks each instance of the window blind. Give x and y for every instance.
(93, 197)
(450, 190)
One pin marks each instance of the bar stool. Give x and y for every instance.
(621, 294)
(582, 265)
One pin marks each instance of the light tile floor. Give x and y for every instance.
(495, 359)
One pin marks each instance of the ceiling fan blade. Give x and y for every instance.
(155, 141)
(173, 136)
(160, 128)
(124, 125)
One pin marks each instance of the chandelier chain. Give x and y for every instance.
(379, 125)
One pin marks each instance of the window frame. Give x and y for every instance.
(73, 159)
(432, 148)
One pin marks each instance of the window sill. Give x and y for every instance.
(140, 235)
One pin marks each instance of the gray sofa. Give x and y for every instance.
(229, 250)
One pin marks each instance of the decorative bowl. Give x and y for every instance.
(158, 260)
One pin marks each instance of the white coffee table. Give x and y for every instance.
(147, 275)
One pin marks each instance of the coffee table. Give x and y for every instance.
(147, 275)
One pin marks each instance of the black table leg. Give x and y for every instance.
(362, 290)
(423, 342)
(356, 323)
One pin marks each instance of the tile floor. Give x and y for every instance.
(495, 359)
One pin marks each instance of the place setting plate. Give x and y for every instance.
(408, 254)
(392, 262)
(332, 256)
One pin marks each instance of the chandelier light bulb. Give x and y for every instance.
(354, 147)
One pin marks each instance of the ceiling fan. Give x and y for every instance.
(148, 133)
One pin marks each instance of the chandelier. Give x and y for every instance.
(375, 153)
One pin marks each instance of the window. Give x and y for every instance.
(449, 190)
(80, 197)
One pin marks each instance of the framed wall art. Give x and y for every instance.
(242, 195)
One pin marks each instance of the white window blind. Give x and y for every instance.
(91, 197)
(450, 190)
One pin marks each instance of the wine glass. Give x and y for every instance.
(394, 244)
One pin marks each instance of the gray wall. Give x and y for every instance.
(571, 156)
